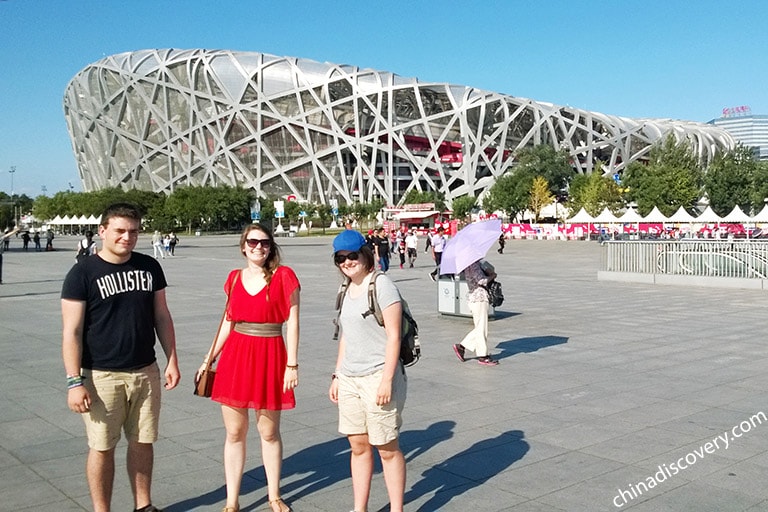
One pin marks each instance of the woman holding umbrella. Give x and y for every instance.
(477, 275)
(464, 254)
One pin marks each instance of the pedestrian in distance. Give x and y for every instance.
(36, 240)
(6, 238)
(173, 242)
(113, 307)
(49, 236)
(369, 384)
(85, 247)
(258, 368)
(157, 245)
(477, 275)
(382, 249)
(438, 245)
(25, 239)
(412, 244)
(502, 243)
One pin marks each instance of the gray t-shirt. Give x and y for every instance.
(365, 340)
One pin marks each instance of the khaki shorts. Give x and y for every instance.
(122, 400)
(359, 414)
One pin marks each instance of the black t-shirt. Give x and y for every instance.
(383, 245)
(119, 330)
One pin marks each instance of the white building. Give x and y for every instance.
(161, 119)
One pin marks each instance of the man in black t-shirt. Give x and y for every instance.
(113, 306)
(381, 244)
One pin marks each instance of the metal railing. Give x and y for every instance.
(747, 259)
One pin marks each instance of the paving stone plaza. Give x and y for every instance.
(608, 396)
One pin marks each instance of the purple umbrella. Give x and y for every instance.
(469, 245)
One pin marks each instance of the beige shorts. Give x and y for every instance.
(359, 414)
(122, 400)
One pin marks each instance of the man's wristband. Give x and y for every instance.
(74, 381)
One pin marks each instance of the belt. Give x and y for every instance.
(263, 330)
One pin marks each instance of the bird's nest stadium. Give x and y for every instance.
(161, 119)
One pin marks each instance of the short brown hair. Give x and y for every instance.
(126, 210)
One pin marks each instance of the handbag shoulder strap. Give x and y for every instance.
(209, 358)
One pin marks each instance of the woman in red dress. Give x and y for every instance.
(258, 367)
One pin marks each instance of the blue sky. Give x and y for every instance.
(676, 59)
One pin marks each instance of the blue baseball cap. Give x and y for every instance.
(348, 240)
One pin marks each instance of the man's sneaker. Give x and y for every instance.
(487, 361)
(432, 277)
(459, 351)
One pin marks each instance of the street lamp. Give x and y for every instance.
(13, 201)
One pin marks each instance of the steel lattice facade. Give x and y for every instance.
(161, 119)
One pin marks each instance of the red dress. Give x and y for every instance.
(250, 370)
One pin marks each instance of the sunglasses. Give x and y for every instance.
(255, 242)
(341, 258)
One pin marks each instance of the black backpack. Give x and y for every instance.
(410, 348)
(84, 252)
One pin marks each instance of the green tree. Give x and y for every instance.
(510, 193)
(428, 196)
(671, 179)
(463, 206)
(188, 206)
(539, 196)
(594, 192)
(729, 181)
(552, 165)
(760, 185)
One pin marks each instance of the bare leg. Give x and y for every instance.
(361, 464)
(268, 423)
(236, 424)
(393, 464)
(140, 460)
(100, 470)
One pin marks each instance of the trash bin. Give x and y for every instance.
(452, 296)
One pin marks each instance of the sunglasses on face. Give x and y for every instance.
(341, 258)
(255, 242)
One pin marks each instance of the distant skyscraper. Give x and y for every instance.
(751, 130)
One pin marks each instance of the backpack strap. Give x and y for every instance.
(339, 301)
(373, 302)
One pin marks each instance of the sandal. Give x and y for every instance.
(230, 509)
(281, 506)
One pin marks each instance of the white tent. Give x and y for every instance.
(655, 216)
(737, 216)
(762, 216)
(606, 217)
(631, 215)
(681, 216)
(93, 220)
(582, 216)
(708, 216)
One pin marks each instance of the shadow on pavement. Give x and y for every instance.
(320, 466)
(467, 469)
(526, 345)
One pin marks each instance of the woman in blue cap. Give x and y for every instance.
(369, 384)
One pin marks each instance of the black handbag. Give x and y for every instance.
(495, 295)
